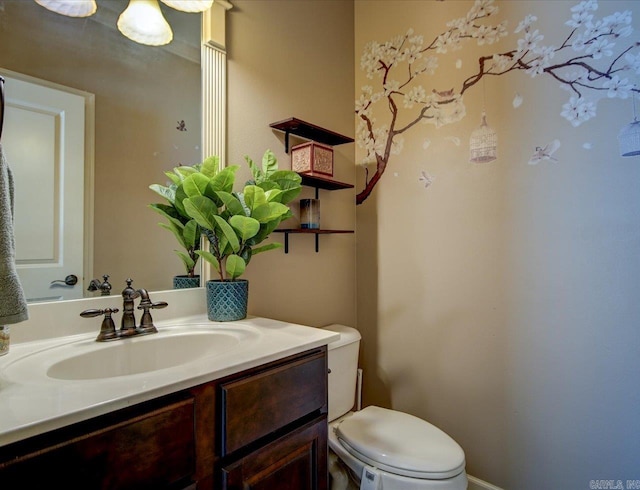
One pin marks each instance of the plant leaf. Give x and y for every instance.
(195, 185)
(224, 180)
(266, 248)
(289, 182)
(289, 195)
(188, 262)
(286, 178)
(258, 176)
(166, 210)
(184, 171)
(179, 200)
(175, 178)
(235, 266)
(168, 193)
(254, 197)
(209, 257)
(265, 231)
(245, 226)
(191, 233)
(228, 232)
(231, 203)
(270, 211)
(203, 210)
(177, 231)
(269, 164)
(210, 166)
(274, 195)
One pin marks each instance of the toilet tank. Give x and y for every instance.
(343, 370)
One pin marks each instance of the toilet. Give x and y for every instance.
(385, 449)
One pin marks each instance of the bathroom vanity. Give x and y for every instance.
(261, 428)
(252, 417)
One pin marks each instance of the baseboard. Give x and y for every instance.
(478, 484)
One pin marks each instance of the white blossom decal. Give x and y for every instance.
(591, 62)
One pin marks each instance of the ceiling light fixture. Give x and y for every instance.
(77, 8)
(191, 6)
(142, 21)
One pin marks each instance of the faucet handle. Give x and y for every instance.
(108, 328)
(146, 322)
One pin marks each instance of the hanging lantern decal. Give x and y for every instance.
(483, 144)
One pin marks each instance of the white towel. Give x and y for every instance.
(13, 306)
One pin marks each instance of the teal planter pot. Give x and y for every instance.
(186, 282)
(227, 300)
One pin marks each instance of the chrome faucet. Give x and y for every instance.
(128, 326)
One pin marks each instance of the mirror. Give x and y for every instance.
(147, 121)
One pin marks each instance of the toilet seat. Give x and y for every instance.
(400, 444)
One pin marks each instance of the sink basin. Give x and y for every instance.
(89, 360)
(143, 355)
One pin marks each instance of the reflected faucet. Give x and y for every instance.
(104, 287)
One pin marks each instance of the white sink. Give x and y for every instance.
(170, 348)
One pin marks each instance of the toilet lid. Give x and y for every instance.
(401, 444)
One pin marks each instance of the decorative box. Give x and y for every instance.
(312, 158)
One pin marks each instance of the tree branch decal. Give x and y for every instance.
(590, 64)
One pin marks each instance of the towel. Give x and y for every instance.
(13, 306)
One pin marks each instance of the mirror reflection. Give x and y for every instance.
(147, 121)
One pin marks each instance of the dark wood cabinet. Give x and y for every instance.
(264, 428)
(295, 461)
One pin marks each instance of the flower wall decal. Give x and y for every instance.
(591, 61)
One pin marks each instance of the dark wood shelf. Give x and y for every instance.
(308, 131)
(311, 231)
(308, 231)
(323, 182)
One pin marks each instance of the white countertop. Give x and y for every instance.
(34, 403)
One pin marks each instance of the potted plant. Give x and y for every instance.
(185, 229)
(235, 222)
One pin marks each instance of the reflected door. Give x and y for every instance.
(44, 142)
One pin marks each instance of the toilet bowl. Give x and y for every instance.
(392, 450)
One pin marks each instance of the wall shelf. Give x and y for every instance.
(308, 131)
(307, 231)
(312, 132)
(323, 183)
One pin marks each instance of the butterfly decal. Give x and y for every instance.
(545, 153)
(425, 178)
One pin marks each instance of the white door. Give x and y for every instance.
(44, 143)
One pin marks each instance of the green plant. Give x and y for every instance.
(235, 223)
(186, 229)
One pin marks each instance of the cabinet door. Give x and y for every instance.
(295, 461)
(153, 450)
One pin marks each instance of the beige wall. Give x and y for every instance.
(499, 303)
(141, 92)
(295, 59)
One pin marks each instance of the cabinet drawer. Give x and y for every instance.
(150, 451)
(257, 405)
